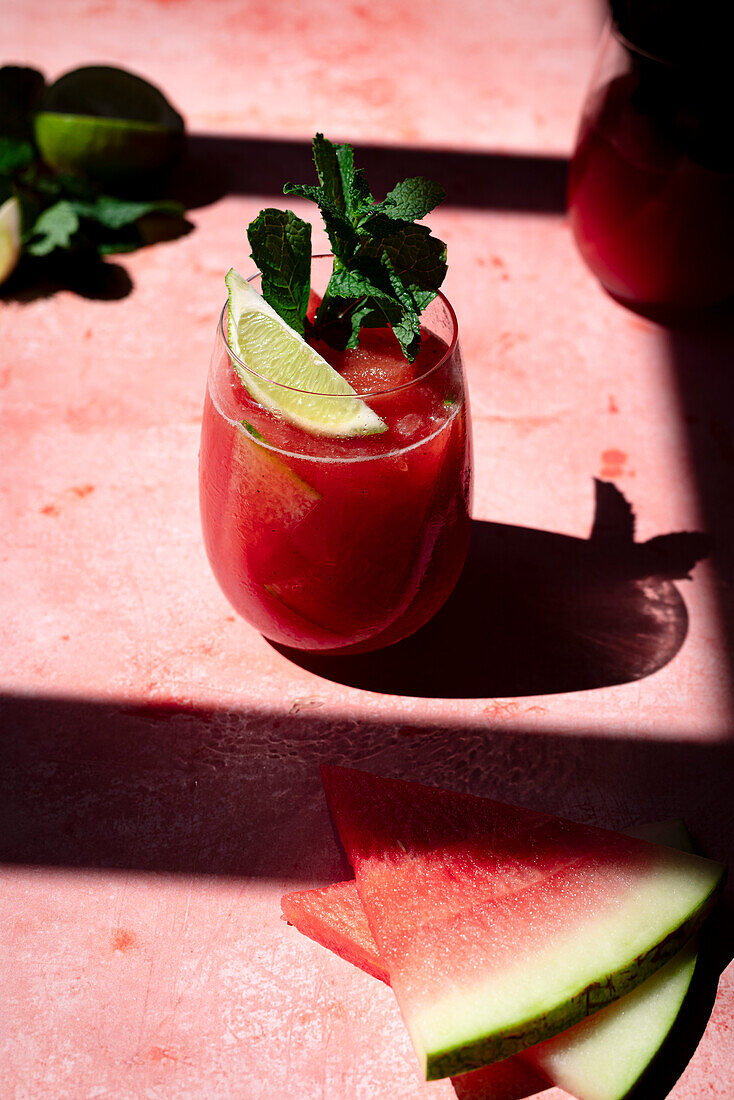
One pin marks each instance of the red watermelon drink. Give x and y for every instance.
(348, 531)
(651, 184)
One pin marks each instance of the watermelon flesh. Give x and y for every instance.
(500, 927)
(334, 917)
(600, 1058)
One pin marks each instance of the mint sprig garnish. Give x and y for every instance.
(386, 268)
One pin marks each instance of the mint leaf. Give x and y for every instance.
(54, 228)
(407, 328)
(411, 200)
(114, 213)
(372, 297)
(342, 194)
(281, 248)
(65, 185)
(116, 247)
(106, 224)
(361, 314)
(354, 299)
(355, 284)
(357, 195)
(15, 154)
(418, 258)
(340, 183)
(329, 172)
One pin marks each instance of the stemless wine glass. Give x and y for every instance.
(651, 183)
(341, 544)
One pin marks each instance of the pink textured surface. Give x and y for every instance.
(159, 759)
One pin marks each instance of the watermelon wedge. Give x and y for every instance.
(600, 1058)
(500, 927)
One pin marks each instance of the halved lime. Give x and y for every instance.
(283, 373)
(9, 236)
(108, 124)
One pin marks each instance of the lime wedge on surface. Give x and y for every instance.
(9, 236)
(108, 124)
(286, 375)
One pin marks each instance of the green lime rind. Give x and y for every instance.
(105, 149)
(287, 376)
(103, 121)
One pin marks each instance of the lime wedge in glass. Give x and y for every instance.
(284, 374)
(107, 124)
(9, 236)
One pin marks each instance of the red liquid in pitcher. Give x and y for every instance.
(651, 206)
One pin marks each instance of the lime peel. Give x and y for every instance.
(285, 374)
(104, 148)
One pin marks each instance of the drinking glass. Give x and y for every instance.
(651, 182)
(341, 544)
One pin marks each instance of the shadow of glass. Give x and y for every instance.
(701, 349)
(218, 164)
(537, 613)
(701, 353)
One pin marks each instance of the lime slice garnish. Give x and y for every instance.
(288, 376)
(108, 124)
(9, 236)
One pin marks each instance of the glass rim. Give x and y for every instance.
(234, 357)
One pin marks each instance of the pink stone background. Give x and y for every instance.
(160, 759)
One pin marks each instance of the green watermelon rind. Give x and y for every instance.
(635, 1028)
(575, 1061)
(470, 1055)
(447, 1057)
